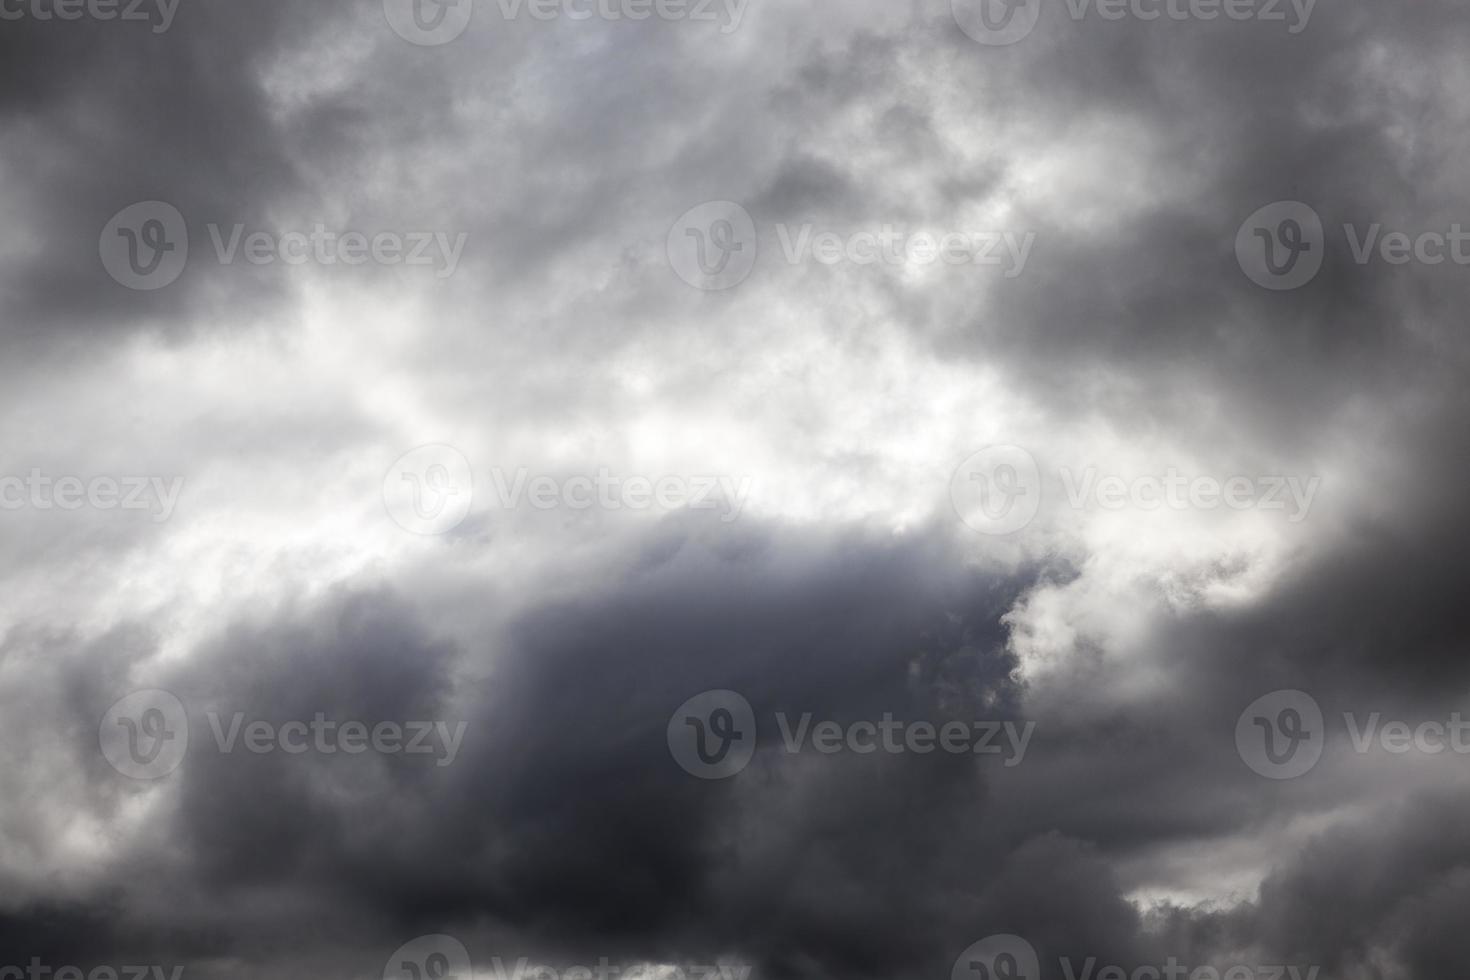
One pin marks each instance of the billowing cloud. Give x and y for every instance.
(556, 488)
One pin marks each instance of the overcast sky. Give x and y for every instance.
(534, 479)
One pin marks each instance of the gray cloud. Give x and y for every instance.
(563, 639)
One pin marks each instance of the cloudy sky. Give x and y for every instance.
(920, 489)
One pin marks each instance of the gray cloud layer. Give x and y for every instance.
(563, 830)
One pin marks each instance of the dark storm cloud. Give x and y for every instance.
(564, 829)
(568, 819)
(565, 823)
